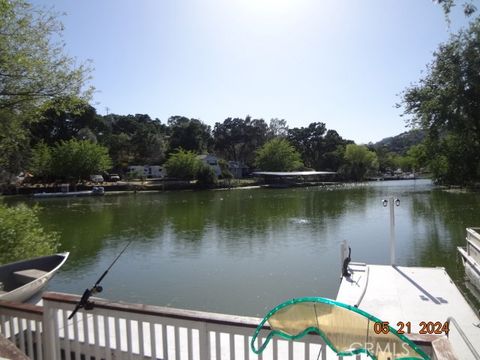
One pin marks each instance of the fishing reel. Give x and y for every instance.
(85, 302)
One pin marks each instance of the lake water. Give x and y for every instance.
(244, 251)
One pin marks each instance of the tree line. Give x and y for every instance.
(69, 137)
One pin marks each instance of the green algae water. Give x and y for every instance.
(244, 251)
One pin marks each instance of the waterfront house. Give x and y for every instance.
(237, 169)
(212, 161)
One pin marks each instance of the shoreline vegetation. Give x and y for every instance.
(159, 185)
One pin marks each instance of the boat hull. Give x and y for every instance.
(96, 191)
(15, 277)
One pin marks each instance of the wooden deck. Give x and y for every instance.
(415, 295)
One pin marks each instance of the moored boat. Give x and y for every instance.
(471, 256)
(96, 191)
(20, 280)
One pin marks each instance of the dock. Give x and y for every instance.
(419, 296)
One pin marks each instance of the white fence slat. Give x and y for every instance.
(12, 330)
(246, 347)
(177, 342)
(129, 338)
(56, 333)
(141, 347)
(3, 328)
(153, 347)
(106, 327)
(118, 346)
(38, 339)
(96, 336)
(29, 338)
(218, 349)
(22, 334)
(85, 324)
(190, 343)
(76, 340)
(66, 333)
(165, 342)
(275, 348)
(203, 342)
(231, 344)
(260, 356)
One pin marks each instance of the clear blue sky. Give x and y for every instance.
(341, 62)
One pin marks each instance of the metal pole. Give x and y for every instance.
(392, 231)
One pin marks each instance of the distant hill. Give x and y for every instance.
(401, 143)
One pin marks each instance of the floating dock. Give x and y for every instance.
(416, 300)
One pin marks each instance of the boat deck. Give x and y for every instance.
(415, 295)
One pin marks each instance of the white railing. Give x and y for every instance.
(22, 325)
(114, 331)
(473, 234)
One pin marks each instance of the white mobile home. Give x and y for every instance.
(148, 171)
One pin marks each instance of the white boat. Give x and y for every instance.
(96, 191)
(471, 256)
(19, 281)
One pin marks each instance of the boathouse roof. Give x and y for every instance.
(292, 173)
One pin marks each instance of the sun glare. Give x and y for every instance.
(273, 7)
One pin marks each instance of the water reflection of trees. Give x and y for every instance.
(445, 216)
(89, 225)
(230, 218)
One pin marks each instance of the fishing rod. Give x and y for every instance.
(85, 299)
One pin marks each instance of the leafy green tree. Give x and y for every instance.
(78, 159)
(278, 155)
(206, 176)
(309, 142)
(418, 156)
(318, 147)
(33, 64)
(277, 128)
(189, 134)
(226, 173)
(22, 236)
(359, 162)
(183, 164)
(14, 145)
(133, 139)
(237, 139)
(446, 104)
(33, 69)
(150, 147)
(468, 7)
(41, 161)
(64, 118)
(405, 163)
(121, 150)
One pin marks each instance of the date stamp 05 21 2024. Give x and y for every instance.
(426, 327)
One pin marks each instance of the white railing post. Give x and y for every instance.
(49, 331)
